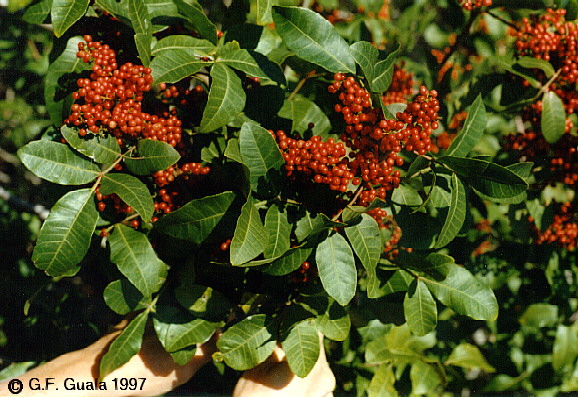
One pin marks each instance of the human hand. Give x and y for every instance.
(274, 378)
(153, 364)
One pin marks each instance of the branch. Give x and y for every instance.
(22, 205)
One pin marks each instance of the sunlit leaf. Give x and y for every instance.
(177, 330)
(301, 345)
(456, 213)
(196, 220)
(553, 121)
(472, 131)
(226, 98)
(261, 155)
(248, 343)
(313, 38)
(465, 294)
(65, 13)
(126, 345)
(336, 266)
(152, 156)
(102, 149)
(469, 356)
(420, 309)
(123, 297)
(365, 239)
(279, 230)
(131, 190)
(251, 237)
(172, 65)
(57, 163)
(65, 236)
(134, 256)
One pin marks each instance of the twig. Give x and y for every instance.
(23, 205)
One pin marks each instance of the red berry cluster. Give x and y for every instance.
(302, 275)
(469, 4)
(564, 229)
(176, 181)
(560, 158)
(401, 88)
(375, 142)
(324, 162)
(110, 100)
(551, 38)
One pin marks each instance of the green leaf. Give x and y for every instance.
(226, 98)
(132, 191)
(472, 131)
(335, 322)
(65, 13)
(302, 111)
(313, 38)
(196, 220)
(203, 302)
(193, 12)
(290, 261)
(456, 214)
(365, 239)
(57, 98)
(398, 344)
(536, 63)
(135, 258)
(419, 308)
(177, 330)
(279, 230)
(254, 64)
(378, 73)
(261, 155)
(489, 178)
(336, 266)
(248, 343)
(406, 195)
(264, 11)
(199, 47)
(464, 294)
(301, 345)
(469, 357)
(383, 382)
(65, 236)
(123, 297)
(143, 43)
(57, 163)
(250, 237)
(424, 378)
(539, 315)
(553, 120)
(172, 65)
(126, 345)
(565, 348)
(152, 156)
(139, 18)
(37, 13)
(101, 149)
